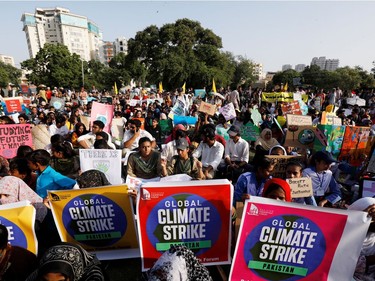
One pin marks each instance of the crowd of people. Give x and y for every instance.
(153, 147)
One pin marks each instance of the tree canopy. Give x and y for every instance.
(8, 74)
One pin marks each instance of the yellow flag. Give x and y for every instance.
(160, 87)
(184, 88)
(115, 89)
(285, 87)
(213, 86)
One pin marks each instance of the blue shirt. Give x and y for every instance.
(248, 184)
(323, 182)
(49, 179)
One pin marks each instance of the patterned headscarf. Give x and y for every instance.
(92, 178)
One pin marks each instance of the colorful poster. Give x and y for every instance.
(289, 242)
(281, 97)
(177, 109)
(98, 218)
(303, 136)
(185, 120)
(13, 104)
(354, 145)
(196, 214)
(102, 112)
(228, 111)
(330, 119)
(19, 219)
(291, 108)
(250, 132)
(335, 137)
(221, 131)
(256, 117)
(107, 161)
(12, 136)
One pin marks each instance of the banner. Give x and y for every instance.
(102, 112)
(107, 161)
(289, 242)
(13, 104)
(98, 218)
(196, 214)
(291, 108)
(228, 111)
(57, 103)
(335, 137)
(354, 145)
(249, 132)
(185, 120)
(200, 93)
(19, 219)
(12, 136)
(281, 97)
(300, 187)
(281, 161)
(208, 108)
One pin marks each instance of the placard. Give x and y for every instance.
(57, 103)
(249, 132)
(281, 97)
(102, 112)
(13, 104)
(185, 120)
(19, 219)
(300, 187)
(98, 218)
(303, 136)
(330, 119)
(86, 121)
(335, 137)
(283, 241)
(117, 129)
(299, 120)
(228, 111)
(208, 108)
(107, 161)
(13, 136)
(291, 108)
(354, 145)
(177, 109)
(281, 161)
(196, 214)
(200, 93)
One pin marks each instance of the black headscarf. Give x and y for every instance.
(92, 178)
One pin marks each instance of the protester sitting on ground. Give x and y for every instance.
(92, 178)
(178, 263)
(23, 118)
(222, 127)
(104, 137)
(252, 183)
(277, 189)
(265, 140)
(19, 168)
(65, 160)
(155, 130)
(79, 130)
(134, 134)
(48, 178)
(169, 149)
(87, 140)
(236, 156)
(277, 150)
(4, 167)
(145, 163)
(68, 262)
(365, 269)
(325, 187)
(16, 263)
(23, 150)
(173, 136)
(211, 152)
(183, 163)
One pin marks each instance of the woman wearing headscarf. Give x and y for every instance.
(265, 140)
(68, 261)
(278, 189)
(178, 263)
(92, 178)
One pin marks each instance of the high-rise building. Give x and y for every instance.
(107, 51)
(325, 64)
(58, 25)
(286, 67)
(300, 67)
(7, 59)
(121, 45)
(258, 70)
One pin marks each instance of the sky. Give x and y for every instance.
(272, 33)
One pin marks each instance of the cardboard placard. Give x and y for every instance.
(353, 148)
(330, 119)
(13, 136)
(303, 136)
(102, 112)
(299, 120)
(300, 187)
(228, 111)
(208, 108)
(280, 164)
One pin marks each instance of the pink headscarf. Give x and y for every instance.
(17, 190)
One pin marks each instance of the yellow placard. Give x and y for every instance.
(281, 97)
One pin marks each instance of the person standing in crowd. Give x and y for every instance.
(325, 188)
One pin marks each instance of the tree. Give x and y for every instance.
(176, 53)
(9, 74)
(244, 72)
(285, 77)
(54, 65)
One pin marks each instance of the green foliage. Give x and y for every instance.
(9, 74)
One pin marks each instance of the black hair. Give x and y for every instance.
(135, 122)
(23, 150)
(295, 162)
(57, 138)
(21, 165)
(272, 187)
(40, 156)
(64, 147)
(101, 144)
(103, 134)
(60, 118)
(24, 116)
(99, 123)
(142, 140)
(264, 163)
(3, 236)
(180, 134)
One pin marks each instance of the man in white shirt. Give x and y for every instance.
(88, 140)
(59, 127)
(132, 136)
(211, 152)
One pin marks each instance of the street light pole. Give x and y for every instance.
(83, 74)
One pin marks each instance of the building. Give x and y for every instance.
(121, 45)
(107, 52)
(286, 67)
(258, 70)
(58, 25)
(325, 64)
(300, 67)
(7, 60)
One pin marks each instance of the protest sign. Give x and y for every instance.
(208, 108)
(221, 131)
(19, 219)
(354, 145)
(299, 120)
(177, 109)
(40, 136)
(335, 137)
(134, 102)
(318, 103)
(102, 112)
(297, 96)
(185, 120)
(249, 132)
(371, 162)
(281, 97)
(356, 100)
(196, 214)
(291, 108)
(300, 187)
(57, 103)
(330, 119)
(367, 187)
(86, 121)
(256, 117)
(13, 104)
(200, 93)
(228, 111)
(303, 136)
(284, 241)
(280, 164)
(303, 106)
(117, 129)
(99, 218)
(107, 161)
(12, 136)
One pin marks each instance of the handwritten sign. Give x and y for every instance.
(291, 108)
(205, 107)
(281, 97)
(301, 187)
(250, 132)
(299, 120)
(200, 93)
(13, 104)
(330, 119)
(12, 136)
(228, 111)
